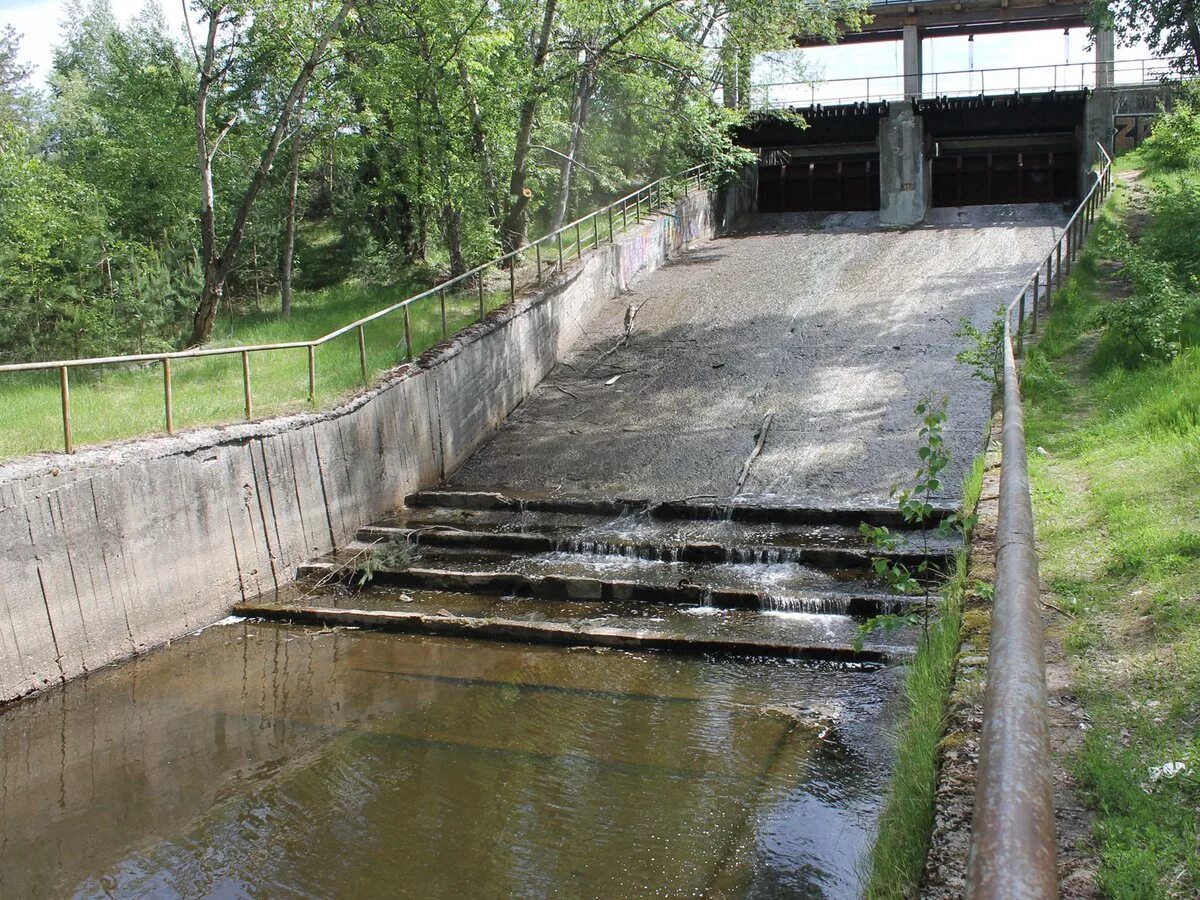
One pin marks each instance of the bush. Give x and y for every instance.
(1175, 235)
(1149, 324)
(1175, 141)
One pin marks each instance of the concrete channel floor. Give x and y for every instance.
(831, 324)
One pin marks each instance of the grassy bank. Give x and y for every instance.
(1115, 469)
(898, 853)
(120, 401)
(115, 402)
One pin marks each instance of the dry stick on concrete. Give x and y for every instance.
(631, 312)
(762, 439)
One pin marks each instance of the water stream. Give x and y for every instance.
(270, 760)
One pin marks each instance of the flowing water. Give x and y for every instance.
(269, 760)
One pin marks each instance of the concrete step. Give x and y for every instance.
(780, 586)
(761, 508)
(832, 547)
(646, 626)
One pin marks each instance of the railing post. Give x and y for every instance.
(1049, 282)
(1058, 264)
(312, 374)
(246, 384)
(624, 214)
(595, 230)
(64, 388)
(612, 235)
(168, 399)
(1033, 324)
(512, 279)
(637, 207)
(579, 241)
(1021, 323)
(537, 255)
(445, 325)
(362, 353)
(558, 238)
(482, 274)
(408, 343)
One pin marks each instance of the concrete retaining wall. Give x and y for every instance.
(118, 549)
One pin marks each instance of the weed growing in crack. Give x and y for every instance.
(915, 502)
(984, 353)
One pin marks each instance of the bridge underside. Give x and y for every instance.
(943, 18)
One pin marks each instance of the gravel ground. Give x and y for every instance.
(831, 324)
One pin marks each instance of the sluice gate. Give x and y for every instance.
(906, 157)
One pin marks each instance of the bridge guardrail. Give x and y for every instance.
(602, 223)
(972, 82)
(1013, 851)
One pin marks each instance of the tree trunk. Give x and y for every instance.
(479, 140)
(451, 217)
(217, 265)
(1193, 33)
(515, 226)
(422, 230)
(288, 251)
(579, 111)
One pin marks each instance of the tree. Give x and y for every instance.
(225, 30)
(1168, 27)
(15, 95)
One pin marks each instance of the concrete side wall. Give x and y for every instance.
(116, 550)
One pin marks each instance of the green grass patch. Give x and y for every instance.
(898, 853)
(114, 402)
(1118, 517)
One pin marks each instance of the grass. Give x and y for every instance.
(113, 402)
(897, 856)
(1115, 468)
(120, 401)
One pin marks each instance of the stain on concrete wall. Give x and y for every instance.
(118, 549)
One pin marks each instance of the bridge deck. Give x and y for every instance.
(836, 330)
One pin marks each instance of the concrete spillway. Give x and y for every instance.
(832, 325)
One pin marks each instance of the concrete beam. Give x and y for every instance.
(947, 17)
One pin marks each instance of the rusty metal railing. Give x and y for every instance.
(1013, 852)
(587, 232)
(995, 81)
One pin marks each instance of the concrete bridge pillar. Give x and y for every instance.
(1105, 54)
(912, 61)
(904, 182)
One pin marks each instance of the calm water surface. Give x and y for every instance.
(268, 760)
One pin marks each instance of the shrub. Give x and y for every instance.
(1175, 141)
(1150, 323)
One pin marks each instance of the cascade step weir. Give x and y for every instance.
(734, 578)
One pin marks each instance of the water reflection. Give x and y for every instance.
(268, 760)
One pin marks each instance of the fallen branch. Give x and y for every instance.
(762, 439)
(631, 312)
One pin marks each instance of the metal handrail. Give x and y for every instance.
(1149, 70)
(631, 206)
(1013, 851)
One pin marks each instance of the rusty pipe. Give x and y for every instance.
(1013, 852)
